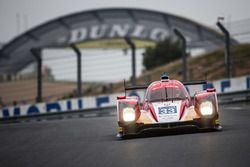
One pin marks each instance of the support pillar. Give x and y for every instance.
(133, 48)
(184, 55)
(37, 54)
(79, 69)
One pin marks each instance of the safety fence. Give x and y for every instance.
(223, 98)
(229, 91)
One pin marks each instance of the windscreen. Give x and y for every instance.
(164, 94)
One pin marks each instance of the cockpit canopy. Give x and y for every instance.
(164, 91)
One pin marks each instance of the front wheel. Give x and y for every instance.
(119, 135)
(218, 127)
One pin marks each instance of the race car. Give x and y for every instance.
(167, 104)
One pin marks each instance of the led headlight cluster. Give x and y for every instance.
(206, 108)
(128, 114)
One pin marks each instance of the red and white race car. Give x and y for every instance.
(167, 104)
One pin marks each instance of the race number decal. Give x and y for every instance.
(167, 110)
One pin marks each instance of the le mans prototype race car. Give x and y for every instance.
(167, 104)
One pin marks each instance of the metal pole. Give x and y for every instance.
(227, 49)
(133, 48)
(37, 54)
(184, 56)
(79, 71)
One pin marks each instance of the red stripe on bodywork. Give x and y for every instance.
(182, 108)
(152, 111)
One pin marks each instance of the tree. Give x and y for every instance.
(164, 52)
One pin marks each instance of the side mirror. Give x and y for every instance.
(121, 97)
(211, 90)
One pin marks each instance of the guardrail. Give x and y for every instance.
(223, 98)
(234, 97)
(86, 113)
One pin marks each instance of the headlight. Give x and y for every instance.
(206, 108)
(128, 114)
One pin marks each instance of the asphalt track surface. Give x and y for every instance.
(92, 142)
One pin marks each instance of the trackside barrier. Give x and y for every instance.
(229, 90)
(87, 113)
(234, 97)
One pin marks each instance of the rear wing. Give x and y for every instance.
(133, 87)
(202, 82)
(136, 87)
(195, 83)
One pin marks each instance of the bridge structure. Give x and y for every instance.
(86, 28)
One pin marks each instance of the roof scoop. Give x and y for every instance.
(164, 77)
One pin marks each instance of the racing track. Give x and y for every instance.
(91, 142)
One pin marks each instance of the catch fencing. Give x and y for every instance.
(229, 91)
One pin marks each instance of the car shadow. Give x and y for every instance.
(167, 132)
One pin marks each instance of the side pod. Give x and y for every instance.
(129, 105)
(206, 101)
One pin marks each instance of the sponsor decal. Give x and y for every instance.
(116, 31)
(216, 122)
(248, 82)
(119, 129)
(225, 84)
